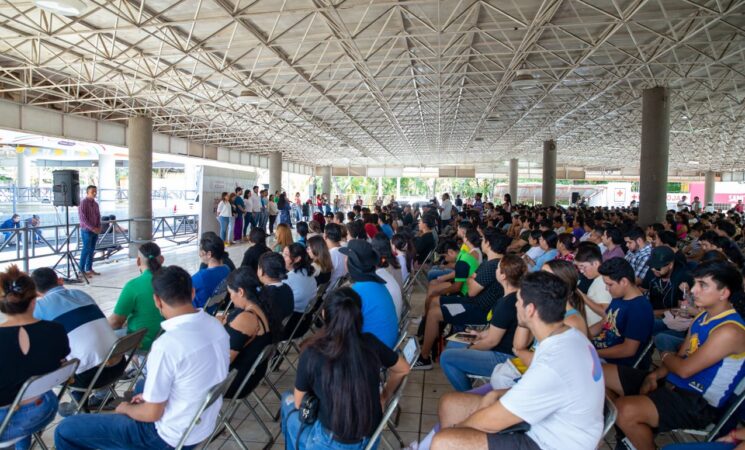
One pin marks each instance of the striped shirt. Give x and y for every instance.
(89, 214)
(88, 331)
(638, 260)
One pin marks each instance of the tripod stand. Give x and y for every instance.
(70, 261)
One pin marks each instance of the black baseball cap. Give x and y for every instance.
(660, 257)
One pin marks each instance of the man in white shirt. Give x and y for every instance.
(446, 210)
(560, 396)
(254, 205)
(588, 260)
(185, 362)
(682, 204)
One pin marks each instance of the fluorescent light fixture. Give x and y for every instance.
(62, 7)
(693, 163)
(248, 96)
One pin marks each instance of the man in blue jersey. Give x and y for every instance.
(693, 386)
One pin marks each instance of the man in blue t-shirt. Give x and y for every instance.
(627, 327)
(378, 310)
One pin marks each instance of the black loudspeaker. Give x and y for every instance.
(66, 187)
(575, 197)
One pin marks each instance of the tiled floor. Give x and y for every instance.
(418, 406)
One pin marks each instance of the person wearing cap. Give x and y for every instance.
(378, 310)
(668, 287)
(13, 222)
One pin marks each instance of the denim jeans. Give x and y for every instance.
(312, 437)
(89, 248)
(665, 339)
(457, 361)
(109, 432)
(224, 224)
(29, 419)
(247, 221)
(437, 272)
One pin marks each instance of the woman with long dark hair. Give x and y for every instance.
(284, 209)
(340, 366)
(251, 325)
(318, 251)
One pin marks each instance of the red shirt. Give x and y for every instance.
(89, 214)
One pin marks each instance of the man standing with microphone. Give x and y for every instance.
(90, 227)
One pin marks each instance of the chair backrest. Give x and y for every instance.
(263, 356)
(215, 393)
(127, 344)
(394, 400)
(730, 414)
(217, 297)
(40, 384)
(645, 356)
(609, 415)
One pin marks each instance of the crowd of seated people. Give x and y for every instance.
(554, 307)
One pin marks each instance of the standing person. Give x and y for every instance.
(273, 211)
(13, 222)
(333, 237)
(248, 217)
(186, 361)
(90, 226)
(233, 214)
(297, 207)
(446, 210)
(240, 211)
(29, 347)
(255, 205)
(284, 210)
(341, 367)
(224, 213)
(337, 204)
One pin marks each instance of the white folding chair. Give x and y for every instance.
(215, 393)
(34, 387)
(124, 347)
(235, 403)
(410, 352)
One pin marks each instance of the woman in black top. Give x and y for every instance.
(250, 326)
(257, 237)
(28, 347)
(341, 367)
(272, 272)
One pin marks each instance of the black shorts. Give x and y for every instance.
(676, 408)
(511, 441)
(473, 314)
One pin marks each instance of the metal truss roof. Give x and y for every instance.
(407, 82)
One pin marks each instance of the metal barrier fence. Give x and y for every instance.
(24, 245)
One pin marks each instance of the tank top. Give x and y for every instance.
(716, 383)
(249, 348)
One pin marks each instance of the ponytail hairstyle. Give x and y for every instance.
(569, 275)
(17, 291)
(245, 278)
(299, 251)
(150, 253)
(349, 367)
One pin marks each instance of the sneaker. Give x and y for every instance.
(422, 364)
(66, 409)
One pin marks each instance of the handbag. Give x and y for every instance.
(309, 409)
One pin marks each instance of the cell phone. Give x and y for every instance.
(465, 336)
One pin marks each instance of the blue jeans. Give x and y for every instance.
(29, 419)
(312, 437)
(89, 248)
(437, 272)
(224, 224)
(247, 218)
(665, 339)
(107, 432)
(457, 361)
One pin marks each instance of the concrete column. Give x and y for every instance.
(106, 178)
(548, 197)
(654, 155)
(140, 140)
(275, 172)
(24, 171)
(513, 179)
(709, 188)
(327, 181)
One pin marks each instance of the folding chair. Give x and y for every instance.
(139, 361)
(727, 420)
(124, 347)
(235, 403)
(34, 387)
(609, 416)
(410, 352)
(301, 327)
(215, 393)
(421, 271)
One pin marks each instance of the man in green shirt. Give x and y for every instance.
(136, 308)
